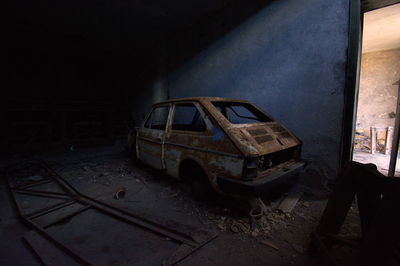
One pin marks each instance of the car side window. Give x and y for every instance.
(158, 118)
(187, 117)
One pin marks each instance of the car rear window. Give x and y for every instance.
(241, 113)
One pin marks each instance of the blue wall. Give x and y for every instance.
(289, 59)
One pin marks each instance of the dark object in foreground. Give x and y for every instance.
(378, 199)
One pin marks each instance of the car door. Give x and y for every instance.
(151, 137)
(188, 134)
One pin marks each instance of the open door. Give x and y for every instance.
(375, 73)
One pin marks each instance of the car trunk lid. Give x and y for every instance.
(265, 138)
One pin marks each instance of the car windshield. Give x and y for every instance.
(241, 113)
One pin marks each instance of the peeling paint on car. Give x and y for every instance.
(241, 152)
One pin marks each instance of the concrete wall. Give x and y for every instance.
(150, 87)
(289, 58)
(377, 95)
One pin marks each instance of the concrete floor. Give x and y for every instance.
(99, 172)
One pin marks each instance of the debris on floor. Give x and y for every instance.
(290, 201)
(120, 193)
(105, 174)
(52, 198)
(269, 244)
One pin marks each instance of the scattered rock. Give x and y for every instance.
(269, 244)
(255, 233)
(298, 248)
(290, 201)
(221, 227)
(238, 226)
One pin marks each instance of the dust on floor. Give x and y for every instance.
(276, 239)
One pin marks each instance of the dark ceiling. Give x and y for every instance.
(74, 61)
(99, 49)
(124, 26)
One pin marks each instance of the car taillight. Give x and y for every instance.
(250, 168)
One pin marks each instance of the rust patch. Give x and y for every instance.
(263, 139)
(277, 128)
(284, 135)
(257, 131)
(223, 148)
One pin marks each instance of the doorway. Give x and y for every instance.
(378, 88)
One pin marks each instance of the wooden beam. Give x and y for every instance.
(373, 139)
(388, 139)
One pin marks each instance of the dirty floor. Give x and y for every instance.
(275, 239)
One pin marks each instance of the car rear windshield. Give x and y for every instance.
(241, 113)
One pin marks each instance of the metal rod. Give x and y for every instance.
(45, 226)
(57, 243)
(192, 242)
(50, 209)
(138, 221)
(43, 195)
(41, 192)
(40, 182)
(118, 212)
(395, 143)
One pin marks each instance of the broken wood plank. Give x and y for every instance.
(290, 201)
(388, 139)
(373, 139)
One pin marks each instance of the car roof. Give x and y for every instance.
(200, 99)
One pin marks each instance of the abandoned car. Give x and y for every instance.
(229, 145)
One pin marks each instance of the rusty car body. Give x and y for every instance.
(229, 144)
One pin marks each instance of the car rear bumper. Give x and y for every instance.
(260, 185)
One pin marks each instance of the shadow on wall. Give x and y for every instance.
(180, 48)
(289, 58)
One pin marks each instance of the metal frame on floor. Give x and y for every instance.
(70, 195)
